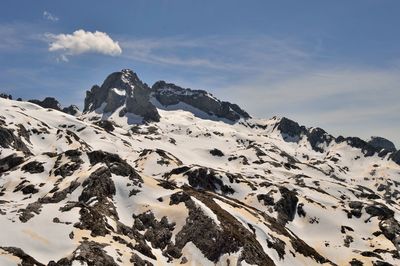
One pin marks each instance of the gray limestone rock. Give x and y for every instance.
(48, 102)
(170, 94)
(382, 143)
(72, 110)
(122, 89)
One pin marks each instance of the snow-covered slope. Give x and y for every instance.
(98, 189)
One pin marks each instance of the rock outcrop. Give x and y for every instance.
(5, 96)
(122, 90)
(169, 94)
(382, 143)
(48, 102)
(72, 110)
(292, 132)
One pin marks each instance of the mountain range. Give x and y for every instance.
(165, 175)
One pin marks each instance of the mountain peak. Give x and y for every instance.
(124, 92)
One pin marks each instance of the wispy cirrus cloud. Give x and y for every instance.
(16, 36)
(347, 100)
(80, 42)
(229, 53)
(49, 16)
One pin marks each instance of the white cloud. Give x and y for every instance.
(81, 41)
(47, 15)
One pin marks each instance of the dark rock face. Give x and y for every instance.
(72, 110)
(396, 157)
(379, 210)
(170, 94)
(9, 140)
(89, 253)
(382, 143)
(60, 195)
(25, 258)
(292, 131)
(33, 167)
(122, 89)
(356, 142)
(48, 102)
(105, 124)
(211, 239)
(286, 206)
(203, 178)
(158, 233)
(318, 136)
(68, 168)
(216, 152)
(99, 185)
(10, 162)
(266, 199)
(115, 164)
(5, 96)
(289, 127)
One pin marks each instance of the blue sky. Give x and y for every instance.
(333, 64)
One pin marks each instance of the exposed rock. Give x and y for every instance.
(136, 260)
(99, 185)
(317, 136)
(266, 199)
(48, 102)
(391, 230)
(396, 157)
(356, 142)
(122, 89)
(9, 140)
(68, 168)
(216, 152)
(10, 162)
(292, 132)
(29, 189)
(60, 195)
(286, 206)
(169, 94)
(158, 233)
(28, 213)
(382, 143)
(6, 96)
(26, 260)
(214, 240)
(33, 167)
(290, 128)
(72, 110)
(89, 252)
(106, 125)
(203, 178)
(93, 218)
(379, 210)
(139, 103)
(115, 164)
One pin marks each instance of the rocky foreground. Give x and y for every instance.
(165, 175)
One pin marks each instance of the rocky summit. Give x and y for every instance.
(165, 175)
